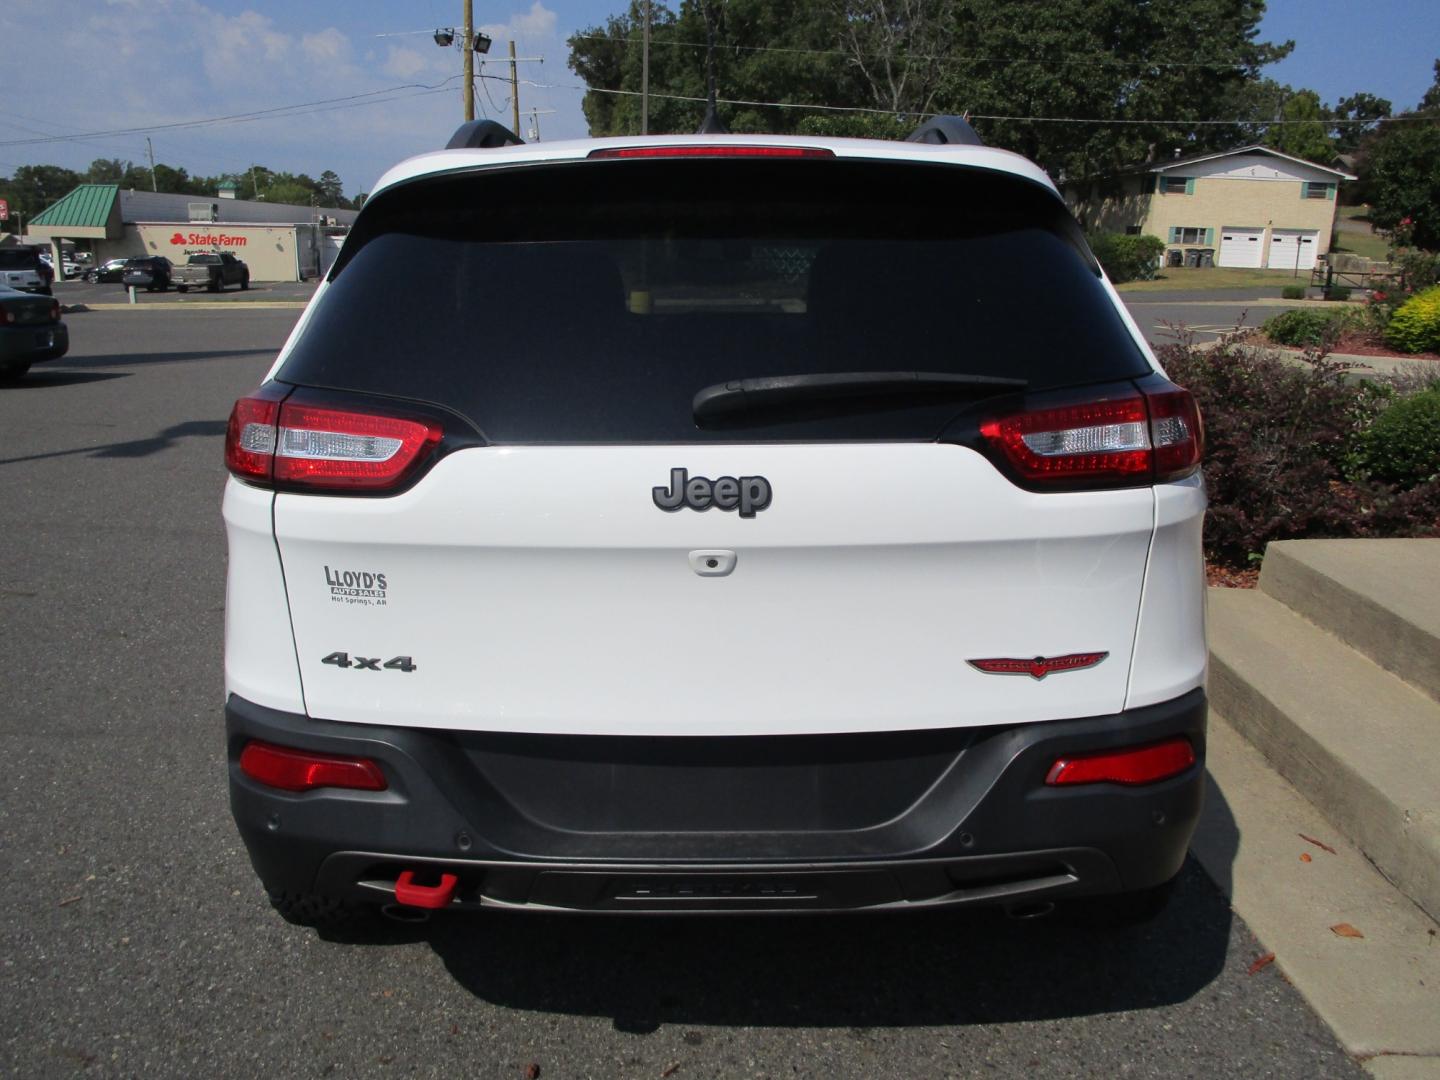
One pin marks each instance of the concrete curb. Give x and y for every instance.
(1347, 733)
(1379, 993)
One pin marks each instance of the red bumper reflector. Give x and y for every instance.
(1037, 667)
(303, 770)
(424, 896)
(1138, 765)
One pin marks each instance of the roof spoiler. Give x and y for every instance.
(945, 129)
(482, 135)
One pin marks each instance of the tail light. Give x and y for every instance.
(272, 441)
(1132, 766)
(712, 151)
(303, 770)
(6, 316)
(1136, 438)
(55, 311)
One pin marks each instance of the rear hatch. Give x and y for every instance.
(581, 553)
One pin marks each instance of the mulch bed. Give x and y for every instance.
(1363, 345)
(1226, 578)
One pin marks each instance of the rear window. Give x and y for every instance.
(12, 259)
(589, 302)
(204, 260)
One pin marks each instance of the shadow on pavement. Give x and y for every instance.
(137, 359)
(135, 448)
(901, 970)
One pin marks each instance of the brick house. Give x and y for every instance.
(1252, 206)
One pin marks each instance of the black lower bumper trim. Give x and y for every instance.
(826, 823)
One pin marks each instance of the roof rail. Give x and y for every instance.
(945, 129)
(482, 135)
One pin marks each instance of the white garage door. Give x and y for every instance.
(1240, 247)
(1292, 249)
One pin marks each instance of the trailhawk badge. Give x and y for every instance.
(747, 494)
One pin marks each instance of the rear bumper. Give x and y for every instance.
(784, 823)
(33, 343)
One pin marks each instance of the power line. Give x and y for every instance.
(1093, 61)
(277, 112)
(976, 116)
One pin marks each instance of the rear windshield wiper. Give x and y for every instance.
(777, 391)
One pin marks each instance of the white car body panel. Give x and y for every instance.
(539, 589)
(259, 648)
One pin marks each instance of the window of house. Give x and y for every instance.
(1177, 185)
(1186, 235)
(1316, 190)
(1132, 230)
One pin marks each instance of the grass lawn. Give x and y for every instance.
(1366, 244)
(1359, 243)
(1175, 278)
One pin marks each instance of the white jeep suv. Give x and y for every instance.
(720, 523)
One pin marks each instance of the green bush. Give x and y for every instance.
(1308, 327)
(1293, 292)
(1128, 258)
(1402, 446)
(1337, 292)
(1415, 325)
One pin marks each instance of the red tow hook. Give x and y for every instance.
(425, 896)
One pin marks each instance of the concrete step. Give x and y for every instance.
(1379, 596)
(1358, 742)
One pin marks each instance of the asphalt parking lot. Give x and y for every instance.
(136, 941)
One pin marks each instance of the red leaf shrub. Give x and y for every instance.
(1277, 438)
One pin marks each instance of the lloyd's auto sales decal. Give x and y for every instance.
(365, 588)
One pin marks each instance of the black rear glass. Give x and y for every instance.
(18, 259)
(589, 302)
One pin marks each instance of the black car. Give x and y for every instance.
(30, 331)
(110, 270)
(149, 272)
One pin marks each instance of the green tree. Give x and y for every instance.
(1304, 133)
(1031, 61)
(1360, 111)
(289, 191)
(34, 187)
(331, 190)
(106, 171)
(1431, 100)
(1402, 174)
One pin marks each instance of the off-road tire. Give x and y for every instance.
(182, 288)
(245, 282)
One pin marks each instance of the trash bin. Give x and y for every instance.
(1192, 257)
(1174, 257)
(1207, 257)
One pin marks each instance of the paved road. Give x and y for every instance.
(135, 940)
(1165, 319)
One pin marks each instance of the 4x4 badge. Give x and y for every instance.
(748, 494)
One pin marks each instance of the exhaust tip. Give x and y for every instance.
(401, 913)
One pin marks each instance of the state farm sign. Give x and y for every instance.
(199, 239)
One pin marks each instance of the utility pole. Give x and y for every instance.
(467, 46)
(645, 75)
(514, 90)
(151, 150)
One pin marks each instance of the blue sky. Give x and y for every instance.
(141, 63)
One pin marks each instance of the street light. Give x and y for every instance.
(482, 43)
(445, 36)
